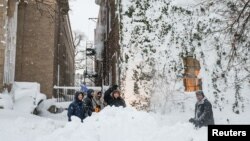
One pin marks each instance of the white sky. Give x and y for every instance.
(81, 11)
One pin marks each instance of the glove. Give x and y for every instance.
(197, 124)
(192, 120)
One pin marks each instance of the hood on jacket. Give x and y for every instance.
(89, 93)
(77, 94)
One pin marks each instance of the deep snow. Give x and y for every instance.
(173, 107)
(111, 124)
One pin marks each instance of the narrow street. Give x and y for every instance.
(124, 70)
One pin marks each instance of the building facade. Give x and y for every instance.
(49, 57)
(42, 47)
(107, 43)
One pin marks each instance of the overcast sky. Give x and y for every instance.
(81, 11)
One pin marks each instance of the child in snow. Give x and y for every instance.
(107, 95)
(76, 108)
(203, 111)
(98, 102)
(88, 102)
(117, 100)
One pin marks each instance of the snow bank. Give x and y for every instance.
(111, 124)
(6, 101)
(24, 127)
(26, 96)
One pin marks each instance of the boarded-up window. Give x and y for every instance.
(192, 70)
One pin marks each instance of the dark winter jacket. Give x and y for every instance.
(76, 108)
(88, 103)
(107, 96)
(117, 102)
(203, 113)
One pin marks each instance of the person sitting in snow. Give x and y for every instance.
(117, 100)
(88, 102)
(76, 108)
(98, 102)
(203, 111)
(107, 95)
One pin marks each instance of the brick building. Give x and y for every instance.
(50, 53)
(44, 45)
(107, 43)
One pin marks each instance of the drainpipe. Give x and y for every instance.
(58, 45)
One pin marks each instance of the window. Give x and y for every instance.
(192, 70)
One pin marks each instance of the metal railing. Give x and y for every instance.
(66, 93)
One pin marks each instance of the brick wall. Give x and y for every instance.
(44, 41)
(35, 47)
(65, 53)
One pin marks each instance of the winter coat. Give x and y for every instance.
(107, 96)
(88, 105)
(76, 108)
(117, 102)
(203, 113)
(98, 103)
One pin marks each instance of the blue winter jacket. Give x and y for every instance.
(76, 108)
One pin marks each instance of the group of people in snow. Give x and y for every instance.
(94, 102)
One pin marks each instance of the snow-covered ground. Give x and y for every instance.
(111, 124)
(155, 36)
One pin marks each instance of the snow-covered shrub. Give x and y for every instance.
(156, 35)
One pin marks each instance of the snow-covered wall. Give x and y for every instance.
(100, 31)
(157, 34)
(10, 51)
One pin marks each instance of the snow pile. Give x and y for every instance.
(111, 124)
(6, 101)
(126, 124)
(26, 96)
(25, 127)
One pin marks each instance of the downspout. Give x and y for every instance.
(23, 4)
(58, 45)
